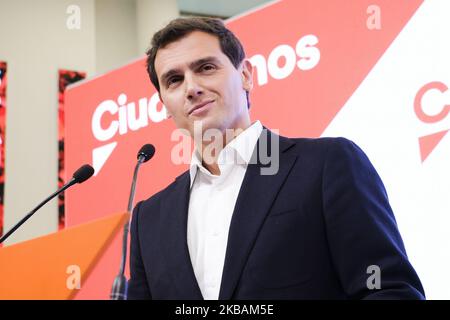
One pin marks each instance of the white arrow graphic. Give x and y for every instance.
(100, 155)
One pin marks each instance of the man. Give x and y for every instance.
(318, 227)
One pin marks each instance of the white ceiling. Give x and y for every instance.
(220, 8)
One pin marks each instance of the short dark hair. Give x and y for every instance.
(180, 27)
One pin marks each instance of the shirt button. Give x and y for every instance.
(216, 234)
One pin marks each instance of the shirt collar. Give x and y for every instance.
(237, 151)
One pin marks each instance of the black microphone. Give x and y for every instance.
(119, 288)
(81, 175)
(146, 153)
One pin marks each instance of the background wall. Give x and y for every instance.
(36, 42)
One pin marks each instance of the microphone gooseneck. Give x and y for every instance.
(119, 288)
(81, 175)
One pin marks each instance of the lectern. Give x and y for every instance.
(48, 267)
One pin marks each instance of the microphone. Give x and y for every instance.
(120, 285)
(146, 153)
(81, 175)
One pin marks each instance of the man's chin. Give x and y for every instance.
(207, 128)
(205, 124)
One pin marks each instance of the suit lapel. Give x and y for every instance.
(254, 201)
(174, 210)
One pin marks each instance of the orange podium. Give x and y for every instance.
(52, 266)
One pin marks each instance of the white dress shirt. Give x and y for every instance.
(211, 206)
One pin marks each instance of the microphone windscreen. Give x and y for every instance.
(84, 173)
(147, 151)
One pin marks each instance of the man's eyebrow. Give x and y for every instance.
(193, 65)
(199, 62)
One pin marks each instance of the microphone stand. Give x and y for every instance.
(119, 289)
(29, 215)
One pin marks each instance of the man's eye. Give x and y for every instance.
(208, 67)
(172, 81)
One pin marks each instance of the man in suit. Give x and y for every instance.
(318, 225)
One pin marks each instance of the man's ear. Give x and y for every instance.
(168, 115)
(247, 75)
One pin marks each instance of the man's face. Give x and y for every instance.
(198, 82)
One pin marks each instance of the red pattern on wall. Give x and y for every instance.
(66, 77)
(2, 138)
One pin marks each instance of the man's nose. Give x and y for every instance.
(193, 88)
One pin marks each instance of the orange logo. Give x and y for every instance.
(429, 142)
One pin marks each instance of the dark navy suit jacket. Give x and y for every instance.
(311, 231)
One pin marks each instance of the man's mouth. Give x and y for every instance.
(199, 107)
